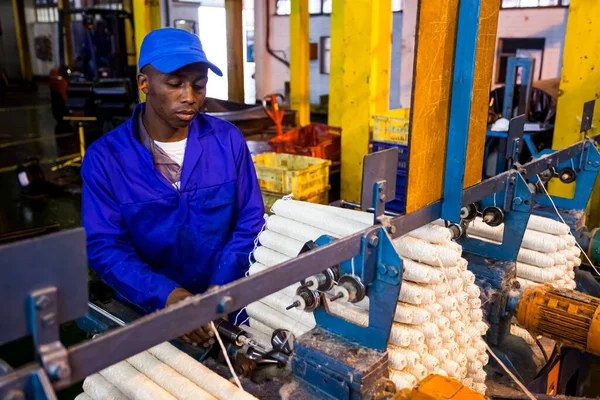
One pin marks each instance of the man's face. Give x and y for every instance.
(176, 97)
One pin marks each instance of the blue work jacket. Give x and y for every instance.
(146, 238)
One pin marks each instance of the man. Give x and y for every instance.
(171, 202)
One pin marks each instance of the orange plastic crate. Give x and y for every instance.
(314, 140)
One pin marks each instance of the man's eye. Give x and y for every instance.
(174, 84)
(200, 87)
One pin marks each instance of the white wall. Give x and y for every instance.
(271, 74)
(546, 23)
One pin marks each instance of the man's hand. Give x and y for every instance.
(203, 336)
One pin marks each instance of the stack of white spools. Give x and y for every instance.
(438, 323)
(548, 252)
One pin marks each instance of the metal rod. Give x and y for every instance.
(106, 314)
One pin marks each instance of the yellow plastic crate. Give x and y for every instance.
(269, 198)
(289, 173)
(391, 130)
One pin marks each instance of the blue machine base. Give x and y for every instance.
(338, 368)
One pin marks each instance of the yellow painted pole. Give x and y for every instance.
(66, 32)
(381, 57)
(129, 35)
(579, 82)
(299, 61)
(336, 65)
(235, 49)
(22, 43)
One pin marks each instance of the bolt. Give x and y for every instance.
(293, 305)
(393, 271)
(225, 304)
(382, 269)
(517, 201)
(391, 229)
(59, 371)
(382, 197)
(49, 320)
(337, 297)
(42, 302)
(374, 241)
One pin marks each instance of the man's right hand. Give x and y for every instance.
(203, 336)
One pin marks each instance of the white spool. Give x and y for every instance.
(473, 331)
(447, 335)
(479, 376)
(452, 272)
(452, 368)
(480, 387)
(280, 243)
(419, 250)
(474, 366)
(455, 247)
(403, 314)
(429, 329)
(526, 282)
(97, 387)
(441, 372)
(410, 356)
(480, 345)
(430, 362)
(420, 314)
(416, 272)
(476, 314)
(256, 268)
(433, 309)
(459, 328)
(437, 276)
(472, 354)
(295, 229)
(411, 293)
(575, 250)
(441, 354)
(428, 296)
(468, 382)
(570, 265)
(421, 348)
(532, 273)
(576, 262)
(461, 359)
(274, 319)
(452, 315)
(322, 220)
(448, 303)
(452, 347)
(83, 396)
(468, 278)
(441, 290)
(133, 384)
(536, 258)
(269, 257)
(402, 380)
(433, 343)
(419, 371)
(475, 303)
(432, 234)
(199, 374)
(558, 257)
(349, 312)
(484, 358)
(547, 225)
(463, 340)
(462, 298)
(570, 239)
(482, 327)
(165, 376)
(397, 360)
(456, 285)
(567, 254)
(399, 335)
(532, 240)
(441, 322)
(260, 327)
(363, 217)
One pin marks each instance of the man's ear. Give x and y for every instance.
(142, 82)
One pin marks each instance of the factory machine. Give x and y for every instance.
(47, 281)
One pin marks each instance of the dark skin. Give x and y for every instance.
(172, 102)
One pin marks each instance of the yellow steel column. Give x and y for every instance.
(361, 36)
(235, 49)
(579, 82)
(299, 61)
(66, 32)
(18, 7)
(336, 65)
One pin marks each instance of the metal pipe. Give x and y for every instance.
(268, 41)
(106, 314)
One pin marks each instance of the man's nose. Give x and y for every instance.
(188, 95)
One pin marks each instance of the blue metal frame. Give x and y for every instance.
(380, 270)
(587, 165)
(460, 107)
(517, 202)
(512, 64)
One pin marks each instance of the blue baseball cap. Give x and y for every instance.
(168, 49)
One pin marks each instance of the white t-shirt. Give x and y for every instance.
(175, 151)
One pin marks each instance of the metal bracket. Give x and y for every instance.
(587, 116)
(30, 382)
(44, 325)
(514, 142)
(380, 170)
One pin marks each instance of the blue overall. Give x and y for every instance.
(146, 238)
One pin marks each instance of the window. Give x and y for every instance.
(325, 54)
(46, 11)
(534, 3)
(320, 7)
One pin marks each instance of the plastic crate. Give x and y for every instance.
(402, 153)
(391, 130)
(289, 173)
(269, 198)
(314, 140)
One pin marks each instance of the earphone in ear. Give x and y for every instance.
(143, 86)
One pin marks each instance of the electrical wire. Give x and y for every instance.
(563, 221)
(539, 344)
(227, 360)
(505, 368)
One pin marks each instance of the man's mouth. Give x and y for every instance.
(185, 115)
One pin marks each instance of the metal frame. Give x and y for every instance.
(512, 64)
(152, 329)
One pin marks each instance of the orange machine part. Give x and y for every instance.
(564, 315)
(437, 387)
